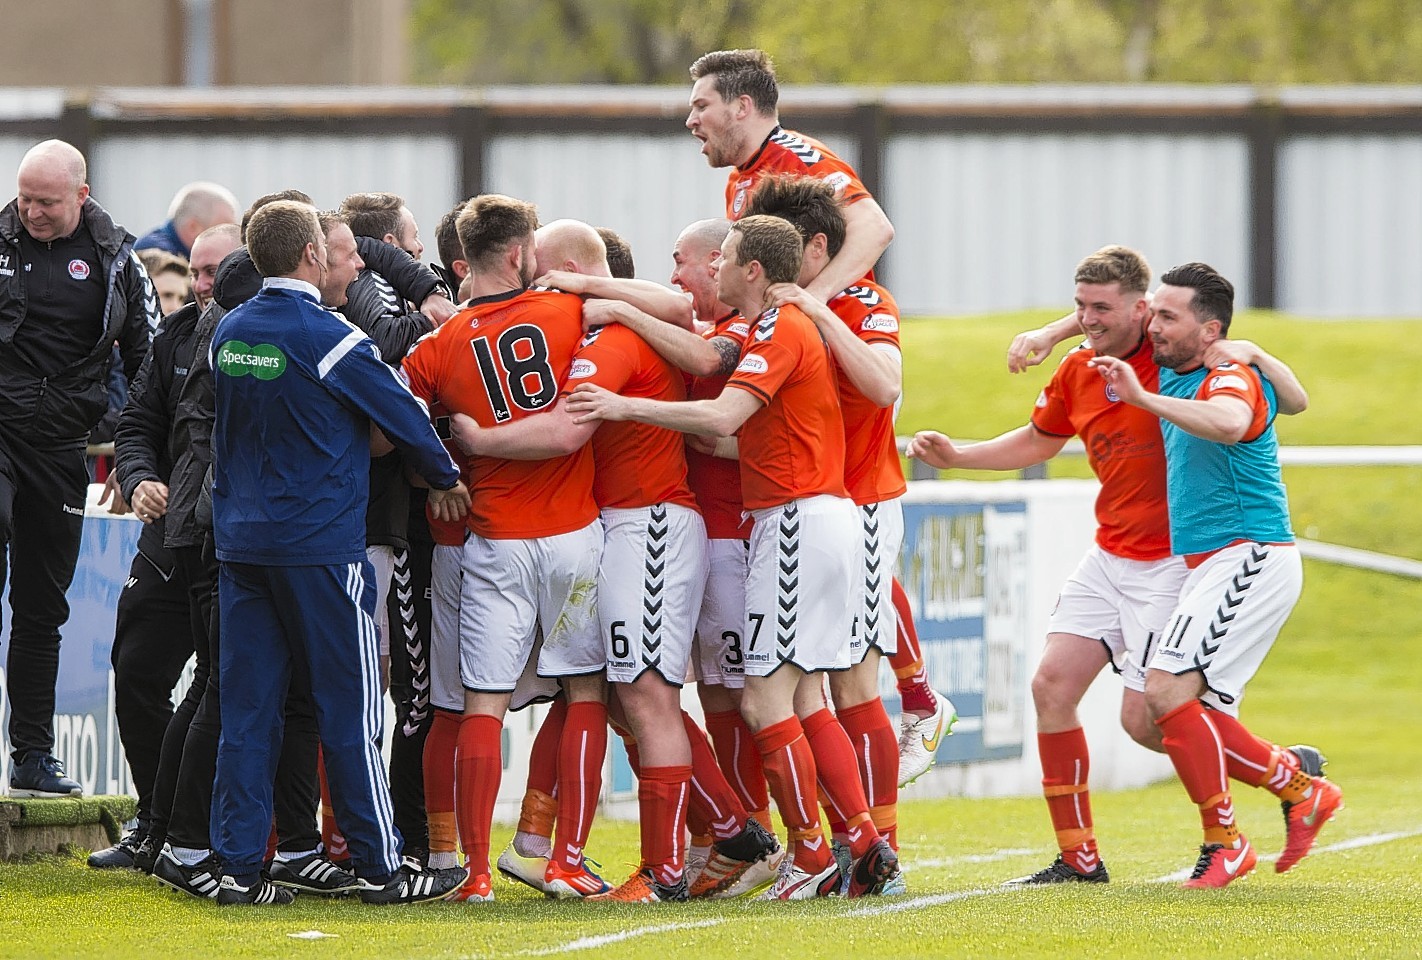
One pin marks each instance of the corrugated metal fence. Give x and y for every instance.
(1309, 199)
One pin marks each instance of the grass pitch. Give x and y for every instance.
(1343, 676)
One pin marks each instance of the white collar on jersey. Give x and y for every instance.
(292, 284)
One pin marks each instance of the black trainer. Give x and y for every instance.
(42, 775)
(121, 855)
(753, 843)
(200, 880)
(263, 893)
(1059, 872)
(871, 872)
(313, 874)
(145, 858)
(412, 885)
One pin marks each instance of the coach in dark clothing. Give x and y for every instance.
(69, 288)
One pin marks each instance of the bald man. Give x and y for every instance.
(70, 286)
(195, 208)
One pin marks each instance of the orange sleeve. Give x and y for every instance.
(604, 358)
(764, 368)
(1052, 415)
(1233, 380)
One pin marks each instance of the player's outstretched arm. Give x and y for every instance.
(1014, 450)
(681, 348)
(720, 417)
(876, 372)
(652, 298)
(1032, 347)
(867, 235)
(541, 437)
(1292, 397)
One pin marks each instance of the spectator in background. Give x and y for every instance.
(195, 207)
(55, 354)
(170, 275)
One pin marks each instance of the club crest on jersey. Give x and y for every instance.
(1111, 393)
(738, 203)
(753, 364)
(581, 368)
(881, 322)
(78, 270)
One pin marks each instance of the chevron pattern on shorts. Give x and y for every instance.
(1228, 609)
(400, 583)
(654, 584)
(787, 582)
(873, 571)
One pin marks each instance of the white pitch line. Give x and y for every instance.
(1354, 843)
(603, 940)
(930, 900)
(993, 857)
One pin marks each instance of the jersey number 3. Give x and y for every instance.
(515, 370)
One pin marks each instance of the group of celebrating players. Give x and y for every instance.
(667, 488)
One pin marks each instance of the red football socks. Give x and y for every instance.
(839, 778)
(581, 751)
(438, 768)
(478, 768)
(1195, 747)
(719, 811)
(876, 749)
(790, 770)
(739, 759)
(1065, 767)
(661, 801)
(915, 694)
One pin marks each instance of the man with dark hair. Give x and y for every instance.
(385, 217)
(782, 401)
(734, 102)
(194, 209)
(297, 392)
(70, 286)
(454, 266)
(1229, 519)
(532, 558)
(619, 254)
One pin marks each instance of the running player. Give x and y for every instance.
(804, 543)
(1229, 519)
(532, 560)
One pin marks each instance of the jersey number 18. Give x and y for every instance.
(515, 370)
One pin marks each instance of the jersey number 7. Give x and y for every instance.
(515, 370)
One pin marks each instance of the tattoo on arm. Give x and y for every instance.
(730, 353)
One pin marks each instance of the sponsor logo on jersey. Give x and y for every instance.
(741, 329)
(581, 368)
(264, 361)
(882, 322)
(754, 363)
(1229, 382)
(839, 180)
(78, 269)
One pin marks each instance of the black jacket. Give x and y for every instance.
(61, 409)
(143, 439)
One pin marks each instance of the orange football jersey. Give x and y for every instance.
(500, 359)
(716, 481)
(793, 447)
(786, 151)
(637, 464)
(1123, 446)
(872, 472)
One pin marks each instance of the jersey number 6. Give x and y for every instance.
(515, 370)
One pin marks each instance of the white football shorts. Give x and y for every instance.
(720, 655)
(882, 534)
